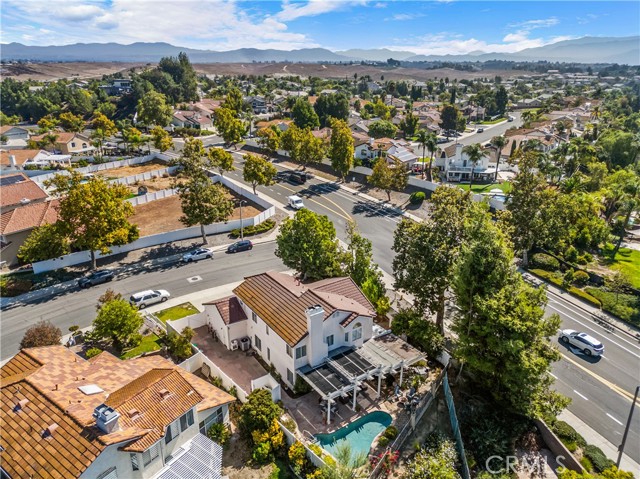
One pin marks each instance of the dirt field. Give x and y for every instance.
(125, 171)
(85, 70)
(154, 185)
(163, 215)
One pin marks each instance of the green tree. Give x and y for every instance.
(258, 413)
(161, 139)
(420, 332)
(233, 100)
(387, 178)
(71, 122)
(203, 203)
(308, 244)
(449, 118)
(103, 129)
(43, 333)
(499, 142)
(618, 148)
(47, 124)
(43, 243)
(303, 114)
(231, 129)
(93, 215)
(427, 252)
(409, 124)
(436, 460)
(258, 171)
(117, 320)
(221, 159)
(303, 146)
(346, 464)
(502, 100)
(503, 335)
(474, 153)
(269, 139)
(331, 106)
(341, 149)
(382, 129)
(154, 110)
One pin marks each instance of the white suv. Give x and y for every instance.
(587, 344)
(146, 298)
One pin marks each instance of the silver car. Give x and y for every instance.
(587, 344)
(197, 255)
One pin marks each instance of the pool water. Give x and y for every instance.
(359, 434)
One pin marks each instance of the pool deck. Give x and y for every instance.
(310, 419)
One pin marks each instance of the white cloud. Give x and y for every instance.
(292, 10)
(404, 16)
(533, 24)
(211, 24)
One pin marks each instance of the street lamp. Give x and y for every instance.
(626, 429)
(241, 227)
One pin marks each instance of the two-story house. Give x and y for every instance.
(456, 166)
(64, 416)
(69, 143)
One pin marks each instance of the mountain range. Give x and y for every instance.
(624, 50)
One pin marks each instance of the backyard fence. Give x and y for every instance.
(290, 438)
(455, 426)
(147, 175)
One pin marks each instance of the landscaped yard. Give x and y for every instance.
(493, 122)
(627, 261)
(177, 312)
(149, 343)
(504, 186)
(625, 306)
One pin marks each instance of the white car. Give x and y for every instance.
(295, 202)
(197, 255)
(587, 344)
(146, 298)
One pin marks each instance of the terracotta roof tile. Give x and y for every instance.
(21, 156)
(20, 363)
(229, 309)
(11, 195)
(28, 217)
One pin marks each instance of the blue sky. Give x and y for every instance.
(436, 27)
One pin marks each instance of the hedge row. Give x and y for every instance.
(551, 278)
(254, 230)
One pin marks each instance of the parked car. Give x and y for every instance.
(479, 130)
(295, 202)
(97, 277)
(511, 118)
(146, 298)
(442, 140)
(197, 255)
(244, 245)
(300, 177)
(587, 344)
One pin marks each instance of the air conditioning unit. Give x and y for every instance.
(234, 345)
(245, 343)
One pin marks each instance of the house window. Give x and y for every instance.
(111, 473)
(357, 332)
(258, 343)
(330, 340)
(301, 352)
(73, 144)
(346, 337)
(254, 316)
(134, 462)
(84, 146)
(289, 376)
(150, 455)
(266, 328)
(215, 417)
(268, 354)
(186, 420)
(172, 432)
(289, 352)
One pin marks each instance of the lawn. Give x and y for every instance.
(505, 187)
(627, 261)
(177, 312)
(149, 343)
(493, 122)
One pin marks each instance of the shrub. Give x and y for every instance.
(216, 381)
(297, 457)
(254, 230)
(258, 413)
(545, 262)
(582, 260)
(571, 445)
(588, 257)
(81, 163)
(301, 386)
(571, 254)
(551, 278)
(220, 433)
(580, 278)
(564, 430)
(417, 197)
(391, 432)
(567, 279)
(383, 441)
(290, 424)
(73, 329)
(134, 340)
(261, 453)
(92, 352)
(275, 471)
(586, 463)
(43, 333)
(597, 457)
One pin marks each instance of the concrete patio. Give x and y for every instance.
(241, 367)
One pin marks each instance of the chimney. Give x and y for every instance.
(12, 161)
(106, 418)
(371, 140)
(317, 348)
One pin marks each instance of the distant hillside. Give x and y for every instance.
(582, 50)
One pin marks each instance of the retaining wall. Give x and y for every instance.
(559, 450)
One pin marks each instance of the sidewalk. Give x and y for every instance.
(592, 437)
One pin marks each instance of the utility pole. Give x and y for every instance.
(626, 429)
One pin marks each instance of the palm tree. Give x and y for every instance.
(499, 142)
(346, 464)
(629, 205)
(432, 146)
(474, 153)
(428, 141)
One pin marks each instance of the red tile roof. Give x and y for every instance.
(21, 156)
(29, 217)
(229, 309)
(12, 195)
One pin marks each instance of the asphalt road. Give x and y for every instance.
(602, 388)
(78, 306)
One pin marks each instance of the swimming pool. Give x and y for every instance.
(359, 434)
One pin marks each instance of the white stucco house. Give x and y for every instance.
(457, 167)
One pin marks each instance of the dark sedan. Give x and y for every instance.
(244, 245)
(97, 277)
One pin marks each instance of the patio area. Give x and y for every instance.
(241, 367)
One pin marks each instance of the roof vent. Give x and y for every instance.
(25, 201)
(48, 432)
(133, 413)
(106, 418)
(164, 393)
(21, 405)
